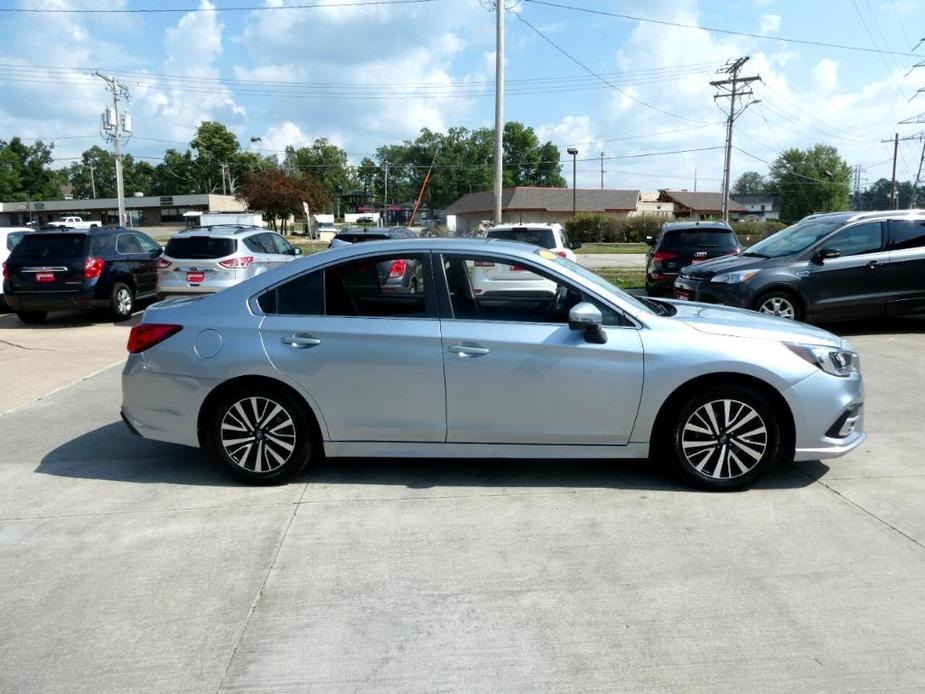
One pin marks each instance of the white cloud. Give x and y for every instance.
(277, 137)
(825, 75)
(770, 24)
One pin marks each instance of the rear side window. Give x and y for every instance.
(280, 245)
(13, 238)
(907, 233)
(259, 243)
(302, 296)
(694, 239)
(127, 244)
(537, 237)
(200, 247)
(44, 245)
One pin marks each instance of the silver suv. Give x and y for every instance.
(207, 260)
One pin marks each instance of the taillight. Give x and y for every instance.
(664, 255)
(93, 268)
(146, 335)
(238, 263)
(398, 269)
(6, 271)
(163, 264)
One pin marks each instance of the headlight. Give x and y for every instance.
(734, 277)
(832, 360)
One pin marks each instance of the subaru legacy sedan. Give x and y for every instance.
(318, 358)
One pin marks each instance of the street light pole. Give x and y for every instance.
(574, 152)
(499, 109)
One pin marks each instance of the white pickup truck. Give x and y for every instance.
(73, 222)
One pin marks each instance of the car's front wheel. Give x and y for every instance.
(261, 435)
(724, 438)
(779, 304)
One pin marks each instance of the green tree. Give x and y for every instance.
(327, 164)
(25, 171)
(527, 162)
(176, 174)
(750, 183)
(809, 181)
(217, 149)
(138, 176)
(877, 195)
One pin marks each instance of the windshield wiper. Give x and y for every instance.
(755, 255)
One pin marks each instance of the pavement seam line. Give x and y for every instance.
(59, 389)
(858, 506)
(263, 584)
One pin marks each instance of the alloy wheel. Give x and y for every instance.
(778, 306)
(258, 434)
(724, 439)
(124, 301)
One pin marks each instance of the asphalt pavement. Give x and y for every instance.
(128, 565)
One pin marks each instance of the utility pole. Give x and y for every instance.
(385, 195)
(602, 171)
(729, 89)
(499, 108)
(224, 189)
(893, 186)
(857, 187)
(114, 125)
(92, 180)
(918, 176)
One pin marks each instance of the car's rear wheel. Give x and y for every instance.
(122, 301)
(779, 304)
(263, 436)
(32, 317)
(724, 438)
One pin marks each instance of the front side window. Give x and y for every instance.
(488, 288)
(907, 233)
(148, 245)
(857, 240)
(796, 238)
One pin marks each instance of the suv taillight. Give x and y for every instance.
(146, 335)
(163, 264)
(6, 271)
(398, 269)
(664, 255)
(241, 263)
(93, 268)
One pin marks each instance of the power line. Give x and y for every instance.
(716, 30)
(601, 78)
(174, 10)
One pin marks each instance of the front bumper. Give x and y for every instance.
(819, 405)
(56, 301)
(697, 289)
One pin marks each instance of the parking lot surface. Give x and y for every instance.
(129, 565)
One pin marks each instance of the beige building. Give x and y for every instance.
(688, 204)
(529, 204)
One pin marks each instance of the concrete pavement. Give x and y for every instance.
(129, 565)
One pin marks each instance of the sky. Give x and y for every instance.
(375, 74)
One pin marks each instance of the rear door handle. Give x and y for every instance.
(301, 341)
(873, 264)
(466, 351)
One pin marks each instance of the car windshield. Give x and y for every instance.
(796, 238)
(536, 237)
(596, 280)
(694, 239)
(51, 246)
(200, 247)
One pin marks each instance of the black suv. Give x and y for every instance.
(685, 243)
(62, 270)
(826, 267)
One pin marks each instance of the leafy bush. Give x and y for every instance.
(752, 231)
(595, 228)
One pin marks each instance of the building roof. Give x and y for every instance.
(701, 201)
(547, 200)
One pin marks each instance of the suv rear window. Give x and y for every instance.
(682, 239)
(537, 237)
(359, 238)
(200, 247)
(45, 245)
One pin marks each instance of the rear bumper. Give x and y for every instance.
(56, 301)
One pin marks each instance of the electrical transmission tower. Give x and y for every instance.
(734, 88)
(114, 126)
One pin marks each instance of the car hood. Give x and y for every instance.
(739, 322)
(730, 263)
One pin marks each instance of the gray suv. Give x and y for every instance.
(207, 260)
(826, 267)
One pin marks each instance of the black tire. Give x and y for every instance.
(243, 408)
(121, 302)
(789, 306)
(733, 447)
(32, 317)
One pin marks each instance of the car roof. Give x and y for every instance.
(524, 225)
(94, 231)
(380, 231)
(695, 224)
(872, 215)
(223, 231)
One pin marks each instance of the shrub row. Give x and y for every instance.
(593, 228)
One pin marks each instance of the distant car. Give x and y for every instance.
(73, 222)
(685, 243)
(397, 276)
(826, 267)
(550, 236)
(365, 220)
(100, 268)
(210, 259)
(352, 235)
(327, 228)
(9, 237)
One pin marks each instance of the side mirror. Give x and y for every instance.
(586, 316)
(650, 240)
(825, 253)
(297, 251)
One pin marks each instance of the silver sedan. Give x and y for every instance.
(323, 357)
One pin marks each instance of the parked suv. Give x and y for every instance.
(9, 237)
(685, 243)
(207, 260)
(550, 236)
(99, 268)
(837, 266)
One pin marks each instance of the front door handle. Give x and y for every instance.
(873, 264)
(301, 341)
(466, 351)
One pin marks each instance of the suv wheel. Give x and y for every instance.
(122, 302)
(261, 435)
(32, 317)
(725, 437)
(779, 304)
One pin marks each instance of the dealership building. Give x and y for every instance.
(142, 211)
